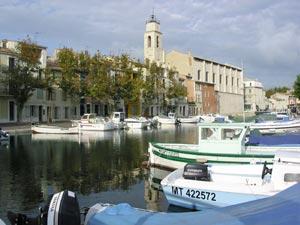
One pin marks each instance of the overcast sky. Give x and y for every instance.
(263, 35)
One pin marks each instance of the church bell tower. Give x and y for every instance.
(153, 50)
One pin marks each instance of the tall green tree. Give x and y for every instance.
(175, 88)
(274, 90)
(69, 81)
(128, 80)
(25, 76)
(297, 87)
(154, 85)
(99, 82)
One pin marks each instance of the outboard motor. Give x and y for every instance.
(196, 171)
(63, 209)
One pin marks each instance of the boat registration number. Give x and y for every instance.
(204, 195)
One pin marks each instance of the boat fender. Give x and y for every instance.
(196, 171)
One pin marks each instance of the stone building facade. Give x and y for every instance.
(43, 105)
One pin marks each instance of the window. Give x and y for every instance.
(11, 63)
(199, 72)
(206, 76)
(157, 41)
(237, 82)
(149, 41)
(66, 112)
(88, 108)
(220, 78)
(56, 112)
(214, 77)
(226, 80)
(40, 93)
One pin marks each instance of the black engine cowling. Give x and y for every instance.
(196, 171)
(63, 209)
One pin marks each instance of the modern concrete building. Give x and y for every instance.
(201, 73)
(43, 105)
(254, 95)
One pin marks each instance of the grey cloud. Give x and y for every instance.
(264, 35)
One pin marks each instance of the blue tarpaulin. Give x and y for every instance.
(287, 139)
(282, 208)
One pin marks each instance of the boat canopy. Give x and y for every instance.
(223, 137)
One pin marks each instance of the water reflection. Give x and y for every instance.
(99, 167)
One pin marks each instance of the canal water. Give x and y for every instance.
(99, 167)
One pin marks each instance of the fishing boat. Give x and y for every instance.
(46, 129)
(63, 209)
(282, 124)
(226, 143)
(190, 119)
(90, 122)
(170, 119)
(118, 118)
(137, 123)
(199, 186)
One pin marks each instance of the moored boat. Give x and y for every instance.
(282, 124)
(170, 119)
(191, 119)
(224, 143)
(199, 186)
(46, 129)
(118, 118)
(90, 122)
(63, 209)
(137, 123)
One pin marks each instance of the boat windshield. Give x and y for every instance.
(209, 134)
(231, 134)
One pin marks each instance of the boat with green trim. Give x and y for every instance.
(218, 143)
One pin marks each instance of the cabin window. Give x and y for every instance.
(207, 133)
(231, 134)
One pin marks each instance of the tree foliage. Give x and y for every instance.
(25, 76)
(272, 91)
(128, 80)
(69, 81)
(175, 89)
(297, 87)
(98, 80)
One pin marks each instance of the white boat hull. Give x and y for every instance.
(202, 186)
(200, 199)
(167, 121)
(54, 130)
(189, 120)
(277, 127)
(136, 123)
(168, 156)
(96, 126)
